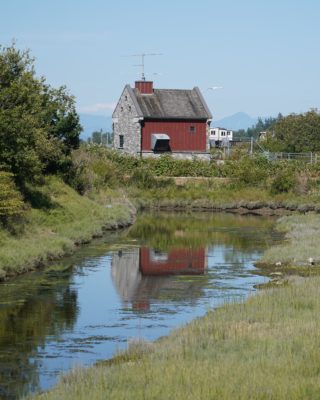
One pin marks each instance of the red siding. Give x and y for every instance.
(179, 261)
(144, 87)
(181, 139)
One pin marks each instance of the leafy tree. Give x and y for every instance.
(296, 133)
(261, 126)
(38, 124)
(100, 137)
(62, 123)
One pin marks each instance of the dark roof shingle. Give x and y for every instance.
(173, 104)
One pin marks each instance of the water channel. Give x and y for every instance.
(164, 271)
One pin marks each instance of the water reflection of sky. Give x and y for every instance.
(128, 293)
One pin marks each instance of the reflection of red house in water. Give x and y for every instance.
(145, 275)
(176, 261)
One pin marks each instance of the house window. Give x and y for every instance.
(121, 141)
(192, 129)
(121, 108)
(126, 98)
(129, 108)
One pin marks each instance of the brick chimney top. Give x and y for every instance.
(144, 87)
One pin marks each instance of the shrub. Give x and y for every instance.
(249, 170)
(166, 165)
(11, 203)
(92, 169)
(143, 178)
(283, 182)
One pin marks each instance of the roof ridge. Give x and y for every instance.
(182, 90)
(173, 103)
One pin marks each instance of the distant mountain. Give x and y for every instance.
(237, 121)
(91, 123)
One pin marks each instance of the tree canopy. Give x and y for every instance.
(295, 133)
(39, 125)
(262, 125)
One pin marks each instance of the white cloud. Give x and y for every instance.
(100, 108)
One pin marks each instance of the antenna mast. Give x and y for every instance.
(143, 55)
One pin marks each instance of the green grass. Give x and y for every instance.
(51, 232)
(265, 348)
(218, 194)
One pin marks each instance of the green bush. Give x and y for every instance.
(249, 170)
(166, 165)
(143, 178)
(283, 182)
(11, 203)
(92, 169)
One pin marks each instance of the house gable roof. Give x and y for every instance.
(172, 104)
(134, 99)
(128, 89)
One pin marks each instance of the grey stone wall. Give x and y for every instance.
(126, 122)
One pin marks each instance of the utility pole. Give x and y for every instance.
(251, 146)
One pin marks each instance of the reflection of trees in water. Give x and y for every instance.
(233, 237)
(138, 289)
(166, 230)
(233, 257)
(46, 309)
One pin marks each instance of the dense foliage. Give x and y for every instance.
(39, 125)
(95, 167)
(296, 133)
(11, 203)
(101, 137)
(262, 125)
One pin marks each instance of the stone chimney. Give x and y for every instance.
(144, 87)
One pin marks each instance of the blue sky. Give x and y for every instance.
(264, 54)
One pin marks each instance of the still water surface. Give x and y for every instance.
(140, 283)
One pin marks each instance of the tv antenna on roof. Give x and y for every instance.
(143, 55)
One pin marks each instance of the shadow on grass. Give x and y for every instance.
(38, 199)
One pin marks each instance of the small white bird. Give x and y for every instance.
(215, 87)
(311, 261)
(278, 264)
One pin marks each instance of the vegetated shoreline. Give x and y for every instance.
(50, 234)
(116, 216)
(241, 207)
(235, 329)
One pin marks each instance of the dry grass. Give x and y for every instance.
(302, 246)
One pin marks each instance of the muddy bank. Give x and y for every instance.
(256, 207)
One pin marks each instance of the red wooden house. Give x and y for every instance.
(148, 121)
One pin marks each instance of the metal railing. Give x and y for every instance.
(307, 157)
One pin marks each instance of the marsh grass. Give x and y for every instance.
(265, 348)
(219, 194)
(67, 221)
(301, 247)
